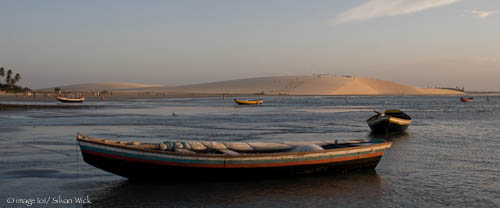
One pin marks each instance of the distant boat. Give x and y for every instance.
(70, 100)
(248, 102)
(197, 160)
(466, 100)
(390, 121)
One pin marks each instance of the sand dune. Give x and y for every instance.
(289, 85)
(307, 85)
(101, 86)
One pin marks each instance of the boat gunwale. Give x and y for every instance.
(385, 145)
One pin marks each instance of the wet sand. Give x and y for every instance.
(106, 97)
(4, 107)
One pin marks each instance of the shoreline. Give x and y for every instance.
(136, 96)
(51, 102)
(9, 107)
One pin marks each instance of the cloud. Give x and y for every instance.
(380, 8)
(483, 14)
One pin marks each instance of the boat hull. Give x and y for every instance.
(385, 125)
(144, 171)
(466, 100)
(70, 100)
(146, 165)
(248, 102)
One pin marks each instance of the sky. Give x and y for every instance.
(427, 43)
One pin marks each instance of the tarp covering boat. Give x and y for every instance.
(210, 159)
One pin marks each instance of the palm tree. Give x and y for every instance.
(17, 77)
(2, 73)
(9, 76)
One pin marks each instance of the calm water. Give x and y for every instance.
(449, 158)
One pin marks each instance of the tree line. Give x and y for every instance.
(9, 80)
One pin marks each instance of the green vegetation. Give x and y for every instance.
(10, 81)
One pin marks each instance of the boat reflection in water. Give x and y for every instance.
(342, 190)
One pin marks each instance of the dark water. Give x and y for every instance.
(450, 156)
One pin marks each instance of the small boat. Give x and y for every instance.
(248, 102)
(389, 121)
(197, 160)
(466, 100)
(70, 100)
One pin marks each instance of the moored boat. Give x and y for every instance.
(70, 100)
(196, 160)
(248, 102)
(390, 121)
(466, 100)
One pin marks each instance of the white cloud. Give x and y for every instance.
(483, 14)
(381, 8)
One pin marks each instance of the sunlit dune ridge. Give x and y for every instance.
(307, 85)
(290, 85)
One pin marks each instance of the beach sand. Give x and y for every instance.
(281, 85)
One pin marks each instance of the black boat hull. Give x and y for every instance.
(145, 171)
(386, 126)
(68, 101)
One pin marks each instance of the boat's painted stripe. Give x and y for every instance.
(296, 158)
(256, 165)
(399, 121)
(230, 162)
(138, 159)
(311, 162)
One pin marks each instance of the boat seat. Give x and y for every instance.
(307, 148)
(239, 146)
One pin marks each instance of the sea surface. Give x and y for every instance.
(450, 156)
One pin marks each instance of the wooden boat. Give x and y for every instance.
(225, 160)
(389, 121)
(70, 100)
(466, 100)
(248, 102)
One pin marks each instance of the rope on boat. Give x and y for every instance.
(47, 150)
(420, 135)
(76, 153)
